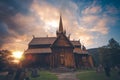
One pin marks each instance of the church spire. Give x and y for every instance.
(60, 25)
(60, 30)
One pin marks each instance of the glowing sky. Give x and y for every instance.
(94, 22)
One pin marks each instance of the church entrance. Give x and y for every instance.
(62, 59)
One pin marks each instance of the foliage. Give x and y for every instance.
(93, 75)
(113, 44)
(95, 55)
(110, 54)
(45, 75)
(2, 77)
(4, 58)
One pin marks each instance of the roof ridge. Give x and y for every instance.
(45, 37)
(75, 41)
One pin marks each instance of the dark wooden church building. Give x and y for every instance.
(59, 51)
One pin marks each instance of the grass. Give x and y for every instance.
(92, 75)
(2, 77)
(45, 75)
(83, 75)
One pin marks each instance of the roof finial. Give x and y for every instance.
(60, 24)
(69, 36)
(33, 36)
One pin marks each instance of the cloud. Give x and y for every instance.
(87, 19)
(46, 13)
(41, 18)
(9, 29)
(101, 26)
(92, 10)
(95, 20)
(111, 9)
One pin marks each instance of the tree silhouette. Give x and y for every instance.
(113, 43)
(5, 58)
(110, 53)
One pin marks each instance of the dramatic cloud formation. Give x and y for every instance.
(19, 20)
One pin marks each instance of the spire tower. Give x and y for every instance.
(60, 30)
(60, 25)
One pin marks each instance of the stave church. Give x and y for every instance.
(58, 51)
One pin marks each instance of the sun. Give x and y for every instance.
(17, 54)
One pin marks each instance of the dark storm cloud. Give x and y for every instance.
(8, 27)
(86, 20)
(4, 34)
(11, 7)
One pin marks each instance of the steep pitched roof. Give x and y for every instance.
(79, 51)
(42, 40)
(52, 41)
(38, 50)
(76, 43)
(77, 48)
(66, 40)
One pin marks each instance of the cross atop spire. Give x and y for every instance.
(60, 25)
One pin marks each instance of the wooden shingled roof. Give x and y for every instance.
(79, 51)
(42, 40)
(38, 50)
(50, 40)
(76, 43)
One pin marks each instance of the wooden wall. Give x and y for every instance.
(62, 57)
(37, 60)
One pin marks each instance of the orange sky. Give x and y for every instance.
(83, 23)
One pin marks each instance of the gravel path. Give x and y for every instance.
(67, 76)
(3, 73)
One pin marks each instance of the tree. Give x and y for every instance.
(115, 51)
(5, 58)
(104, 55)
(113, 44)
(110, 54)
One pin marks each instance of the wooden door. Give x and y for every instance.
(62, 59)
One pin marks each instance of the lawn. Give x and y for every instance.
(92, 75)
(45, 75)
(82, 75)
(2, 77)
